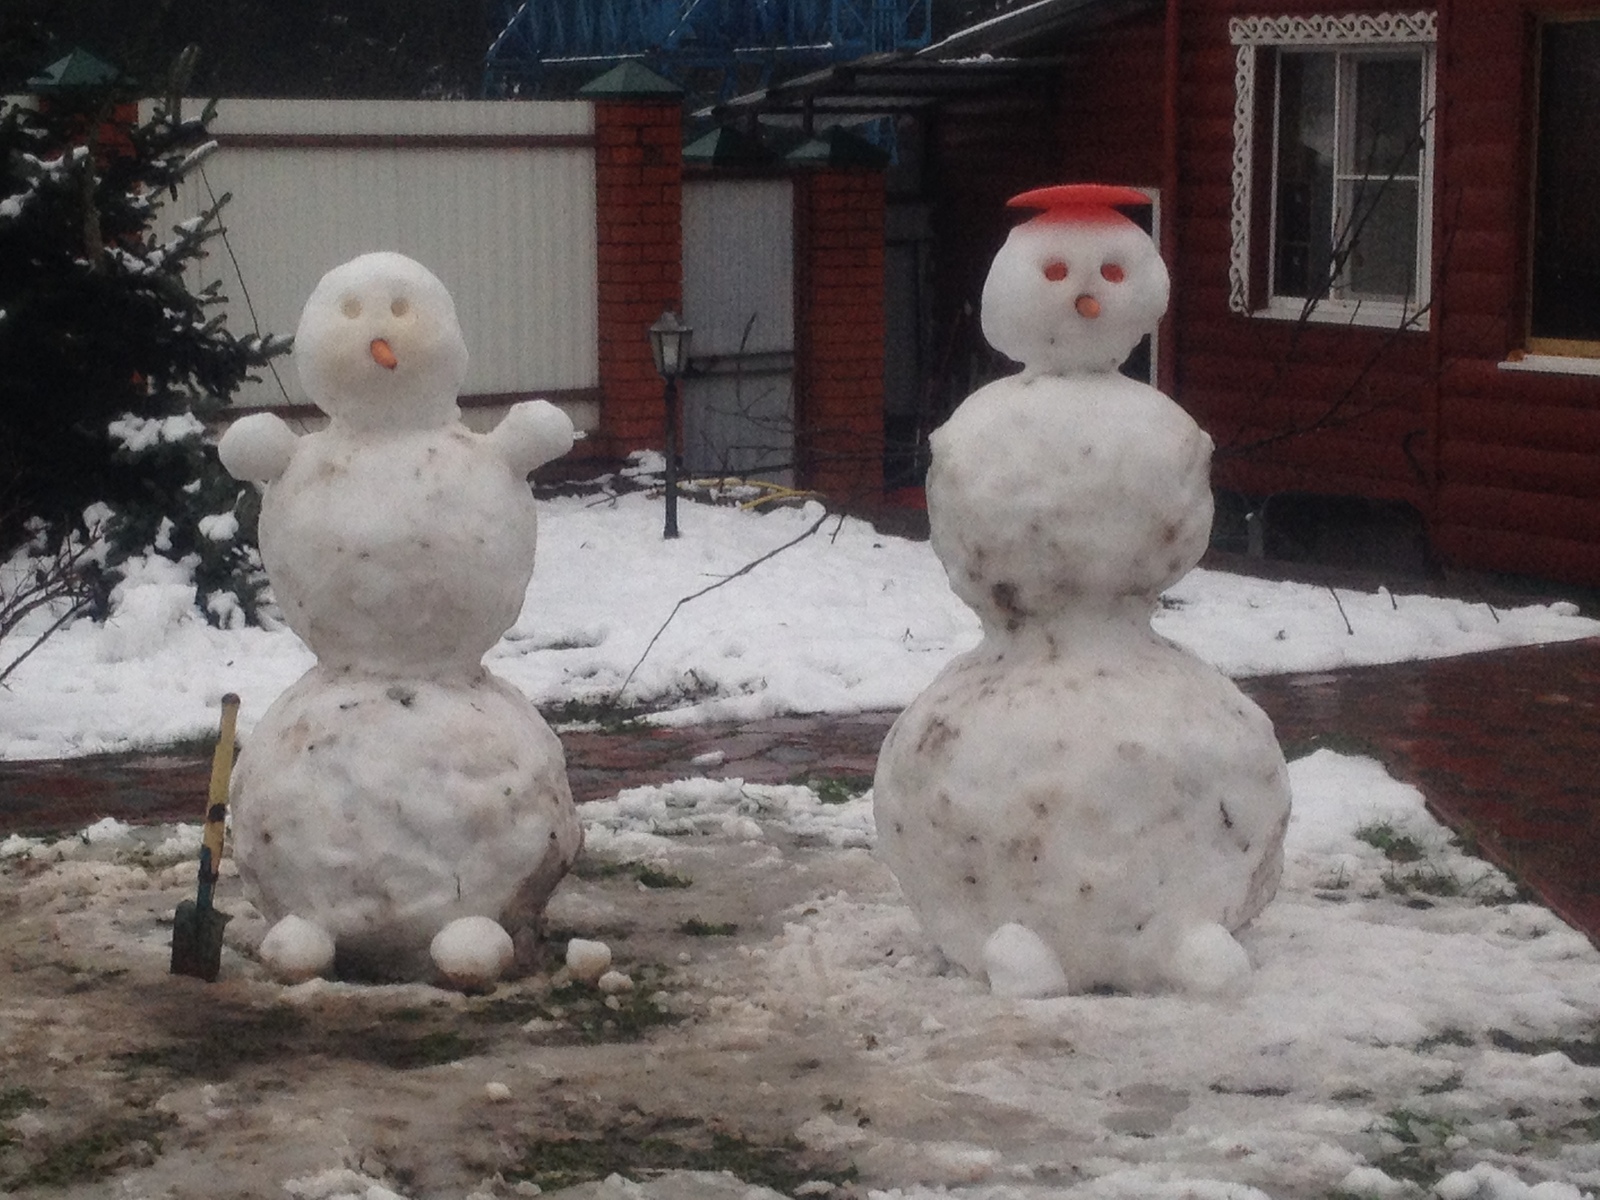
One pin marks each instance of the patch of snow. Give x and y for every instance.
(136, 433)
(848, 620)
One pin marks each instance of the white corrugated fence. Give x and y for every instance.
(496, 198)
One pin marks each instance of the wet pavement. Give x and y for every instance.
(1504, 745)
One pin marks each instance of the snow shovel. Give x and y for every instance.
(197, 926)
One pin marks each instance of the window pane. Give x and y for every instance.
(1304, 220)
(1566, 239)
(1383, 239)
(1387, 122)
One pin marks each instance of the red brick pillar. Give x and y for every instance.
(839, 330)
(639, 206)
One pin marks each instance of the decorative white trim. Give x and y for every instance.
(1250, 33)
(1244, 125)
(1334, 30)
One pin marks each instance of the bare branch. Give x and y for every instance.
(726, 579)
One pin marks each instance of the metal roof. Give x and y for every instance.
(996, 54)
(1024, 28)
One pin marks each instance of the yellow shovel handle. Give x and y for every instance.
(221, 769)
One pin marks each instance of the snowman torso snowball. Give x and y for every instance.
(1076, 802)
(397, 540)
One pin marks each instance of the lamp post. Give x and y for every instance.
(669, 346)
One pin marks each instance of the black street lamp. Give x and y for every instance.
(669, 346)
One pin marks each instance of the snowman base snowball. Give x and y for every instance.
(381, 811)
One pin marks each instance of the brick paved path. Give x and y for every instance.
(1504, 745)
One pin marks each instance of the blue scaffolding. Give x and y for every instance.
(712, 48)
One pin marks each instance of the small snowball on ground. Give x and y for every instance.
(1209, 961)
(296, 950)
(472, 952)
(613, 982)
(1020, 964)
(497, 1092)
(586, 960)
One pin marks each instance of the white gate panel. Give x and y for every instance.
(738, 294)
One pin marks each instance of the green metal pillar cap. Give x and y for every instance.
(630, 81)
(838, 147)
(79, 69)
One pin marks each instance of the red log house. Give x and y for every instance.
(1382, 220)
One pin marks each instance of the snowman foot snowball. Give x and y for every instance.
(296, 950)
(1076, 802)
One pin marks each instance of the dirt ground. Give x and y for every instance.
(121, 1080)
(789, 1028)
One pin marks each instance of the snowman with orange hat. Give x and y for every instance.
(1077, 802)
(399, 810)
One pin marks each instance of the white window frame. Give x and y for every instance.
(1354, 33)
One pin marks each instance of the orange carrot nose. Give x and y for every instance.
(1087, 306)
(383, 355)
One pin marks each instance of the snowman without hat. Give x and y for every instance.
(1077, 803)
(399, 811)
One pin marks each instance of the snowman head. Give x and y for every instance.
(378, 345)
(1074, 288)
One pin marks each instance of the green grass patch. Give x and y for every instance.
(565, 1161)
(656, 877)
(430, 1049)
(1421, 1157)
(17, 1100)
(225, 1042)
(695, 927)
(228, 1041)
(1397, 847)
(1265, 1092)
(581, 1013)
(1446, 1037)
(609, 717)
(644, 873)
(590, 1015)
(95, 1153)
(1426, 880)
(835, 789)
(14, 1101)
(1585, 1052)
(591, 868)
(202, 743)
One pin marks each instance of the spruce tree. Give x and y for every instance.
(112, 362)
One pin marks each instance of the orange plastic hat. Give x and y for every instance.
(1080, 203)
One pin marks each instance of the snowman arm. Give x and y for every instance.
(257, 448)
(531, 434)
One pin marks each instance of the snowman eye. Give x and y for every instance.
(351, 307)
(1055, 271)
(399, 308)
(1112, 273)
